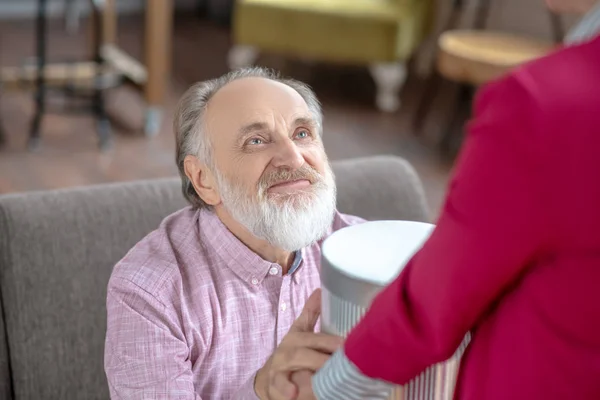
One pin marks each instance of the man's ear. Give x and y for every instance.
(202, 179)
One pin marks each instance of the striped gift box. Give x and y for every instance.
(358, 262)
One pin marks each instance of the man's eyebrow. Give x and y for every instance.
(253, 127)
(261, 126)
(305, 121)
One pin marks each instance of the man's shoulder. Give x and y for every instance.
(342, 220)
(161, 256)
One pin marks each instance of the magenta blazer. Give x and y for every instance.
(515, 257)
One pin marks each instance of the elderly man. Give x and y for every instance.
(212, 303)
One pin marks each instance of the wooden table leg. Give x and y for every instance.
(109, 22)
(157, 48)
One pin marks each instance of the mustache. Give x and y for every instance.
(286, 175)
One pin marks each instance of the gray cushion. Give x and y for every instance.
(57, 250)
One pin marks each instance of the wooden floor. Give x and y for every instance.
(69, 155)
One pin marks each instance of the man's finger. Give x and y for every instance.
(310, 314)
(303, 382)
(322, 342)
(300, 358)
(282, 388)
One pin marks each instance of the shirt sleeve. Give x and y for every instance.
(246, 391)
(146, 356)
(492, 225)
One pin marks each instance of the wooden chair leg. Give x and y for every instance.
(2, 131)
(558, 30)
(482, 14)
(103, 126)
(424, 105)
(40, 85)
(452, 134)
(436, 79)
(389, 80)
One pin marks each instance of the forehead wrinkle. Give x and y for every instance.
(244, 107)
(304, 120)
(252, 127)
(222, 101)
(260, 119)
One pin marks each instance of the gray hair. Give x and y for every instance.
(189, 124)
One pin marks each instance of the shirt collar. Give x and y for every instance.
(586, 29)
(296, 263)
(244, 262)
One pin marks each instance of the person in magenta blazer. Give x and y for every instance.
(515, 256)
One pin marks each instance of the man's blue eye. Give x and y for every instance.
(255, 141)
(303, 134)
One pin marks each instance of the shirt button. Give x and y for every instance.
(273, 271)
(283, 306)
(254, 281)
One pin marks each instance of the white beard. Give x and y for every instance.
(289, 222)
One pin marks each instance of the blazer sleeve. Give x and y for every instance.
(491, 226)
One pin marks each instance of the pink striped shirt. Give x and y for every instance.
(193, 313)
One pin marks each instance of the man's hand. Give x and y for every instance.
(301, 349)
(303, 381)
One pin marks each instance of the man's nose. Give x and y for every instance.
(288, 155)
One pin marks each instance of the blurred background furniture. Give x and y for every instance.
(354, 127)
(152, 76)
(58, 248)
(474, 57)
(380, 34)
(72, 15)
(2, 132)
(93, 89)
(107, 59)
(219, 11)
